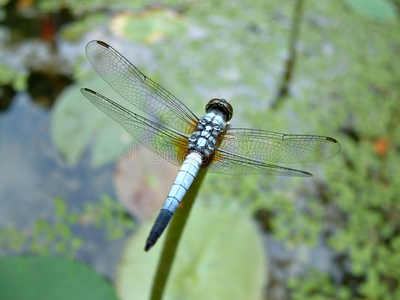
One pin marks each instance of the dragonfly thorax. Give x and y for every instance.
(203, 139)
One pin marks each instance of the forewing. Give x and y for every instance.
(230, 164)
(163, 141)
(268, 146)
(139, 89)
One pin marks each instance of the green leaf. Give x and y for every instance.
(374, 9)
(76, 122)
(221, 256)
(28, 277)
(110, 143)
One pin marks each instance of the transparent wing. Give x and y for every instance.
(139, 89)
(168, 144)
(273, 147)
(230, 164)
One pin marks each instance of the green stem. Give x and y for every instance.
(173, 237)
(290, 62)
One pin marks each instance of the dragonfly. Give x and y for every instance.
(206, 144)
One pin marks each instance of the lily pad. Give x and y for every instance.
(149, 26)
(76, 123)
(29, 277)
(220, 256)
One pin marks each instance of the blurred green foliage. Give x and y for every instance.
(316, 285)
(17, 79)
(375, 9)
(110, 215)
(75, 30)
(57, 237)
(363, 189)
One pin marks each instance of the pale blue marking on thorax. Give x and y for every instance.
(203, 139)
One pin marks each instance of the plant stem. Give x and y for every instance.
(290, 62)
(173, 237)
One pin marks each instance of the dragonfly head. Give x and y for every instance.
(222, 106)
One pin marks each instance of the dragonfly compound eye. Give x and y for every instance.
(222, 106)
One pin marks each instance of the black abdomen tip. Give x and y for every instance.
(159, 226)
